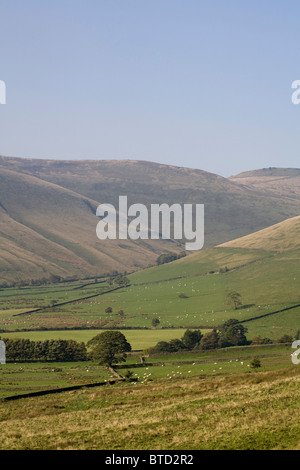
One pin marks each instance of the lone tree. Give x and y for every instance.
(109, 347)
(233, 299)
(255, 363)
(155, 322)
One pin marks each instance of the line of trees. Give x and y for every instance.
(111, 347)
(106, 347)
(55, 350)
(119, 280)
(168, 257)
(231, 333)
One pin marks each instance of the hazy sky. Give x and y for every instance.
(196, 83)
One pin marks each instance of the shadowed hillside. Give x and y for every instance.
(47, 229)
(47, 212)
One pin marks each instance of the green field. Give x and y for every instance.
(19, 378)
(181, 401)
(188, 400)
(190, 292)
(23, 378)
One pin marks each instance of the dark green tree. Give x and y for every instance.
(255, 363)
(233, 300)
(161, 346)
(169, 257)
(171, 346)
(109, 347)
(191, 338)
(260, 340)
(285, 339)
(121, 313)
(233, 333)
(210, 340)
(49, 350)
(121, 280)
(155, 322)
(175, 345)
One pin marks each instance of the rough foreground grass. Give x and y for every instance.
(252, 410)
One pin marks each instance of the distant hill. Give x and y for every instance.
(283, 182)
(48, 221)
(232, 210)
(281, 237)
(47, 229)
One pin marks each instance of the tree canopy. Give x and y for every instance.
(22, 349)
(191, 338)
(234, 300)
(233, 333)
(109, 347)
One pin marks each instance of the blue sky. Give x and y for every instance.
(195, 83)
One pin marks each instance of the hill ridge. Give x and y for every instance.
(281, 237)
(57, 199)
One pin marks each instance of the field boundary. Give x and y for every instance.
(60, 390)
(40, 309)
(270, 313)
(188, 276)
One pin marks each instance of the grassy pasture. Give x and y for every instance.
(216, 409)
(188, 400)
(267, 282)
(18, 378)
